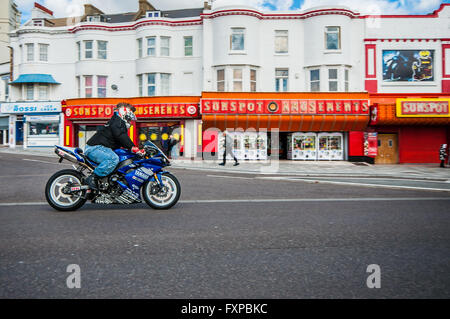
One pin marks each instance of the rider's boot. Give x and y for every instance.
(92, 181)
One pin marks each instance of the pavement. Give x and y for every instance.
(294, 168)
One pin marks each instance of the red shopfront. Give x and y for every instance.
(308, 126)
(158, 118)
(410, 128)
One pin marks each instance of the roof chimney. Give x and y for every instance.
(144, 6)
(41, 12)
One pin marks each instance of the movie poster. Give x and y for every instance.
(408, 65)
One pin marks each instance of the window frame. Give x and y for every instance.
(151, 84)
(277, 37)
(40, 46)
(86, 87)
(279, 79)
(47, 91)
(86, 50)
(151, 47)
(253, 83)
(105, 88)
(338, 37)
(30, 52)
(139, 47)
(165, 87)
(237, 31)
(161, 47)
(311, 81)
(221, 81)
(333, 80)
(103, 50)
(27, 91)
(239, 80)
(187, 46)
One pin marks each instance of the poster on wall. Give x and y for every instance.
(370, 144)
(408, 65)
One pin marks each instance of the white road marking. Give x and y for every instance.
(223, 176)
(289, 179)
(46, 162)
(272, 200)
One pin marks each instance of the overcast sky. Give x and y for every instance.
(65, 8)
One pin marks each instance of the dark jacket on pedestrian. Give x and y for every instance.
(113, 135)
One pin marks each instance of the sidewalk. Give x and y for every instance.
(298, 168)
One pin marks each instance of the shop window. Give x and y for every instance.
(101, 86)
(237, 80)
(88, 85)
(281, 80)
(151, 46)
(332, 80)
(102, 50)
(315, 80)
(36, 129)
(29, 91)
(281, 41)
(252, 80)
(237, 39)
(165, 83)
(221, 80)
(333, 38)
(188, 46)
(88, 49)
(139, 46)
(151, 84)
(30, 51)
(165, 46)
(43, 92)
(43, 52)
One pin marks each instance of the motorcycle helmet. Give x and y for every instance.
(126, 113)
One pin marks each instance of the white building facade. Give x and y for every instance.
(324, 52)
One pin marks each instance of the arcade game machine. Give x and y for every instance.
(261, 145)
(304, 146)
(331, 146)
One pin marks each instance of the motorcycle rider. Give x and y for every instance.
(111, 136)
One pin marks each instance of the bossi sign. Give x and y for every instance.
(423, 108)
(142, 110)
(288, 107)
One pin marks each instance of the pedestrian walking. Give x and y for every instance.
(443, 154)
(172, 142)
(228, 149)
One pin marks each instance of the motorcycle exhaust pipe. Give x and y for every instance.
(66, 156)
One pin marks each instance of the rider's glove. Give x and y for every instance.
(138, 151)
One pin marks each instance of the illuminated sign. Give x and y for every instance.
(142, 110)
(288, 107)
(33, 107)
(423, 107)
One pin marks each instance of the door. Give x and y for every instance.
(387, 149)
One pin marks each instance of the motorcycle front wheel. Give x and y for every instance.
(56, 190)
(165, 197)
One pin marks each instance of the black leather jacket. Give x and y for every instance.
(113, 135)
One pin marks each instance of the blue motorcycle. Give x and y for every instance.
(134, 178)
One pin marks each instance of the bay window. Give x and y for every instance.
(281, 80)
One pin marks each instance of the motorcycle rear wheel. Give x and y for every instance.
(55, 196)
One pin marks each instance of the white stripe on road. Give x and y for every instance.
(46, 162)
(288, 179)
(223, 176)
(274, 200)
